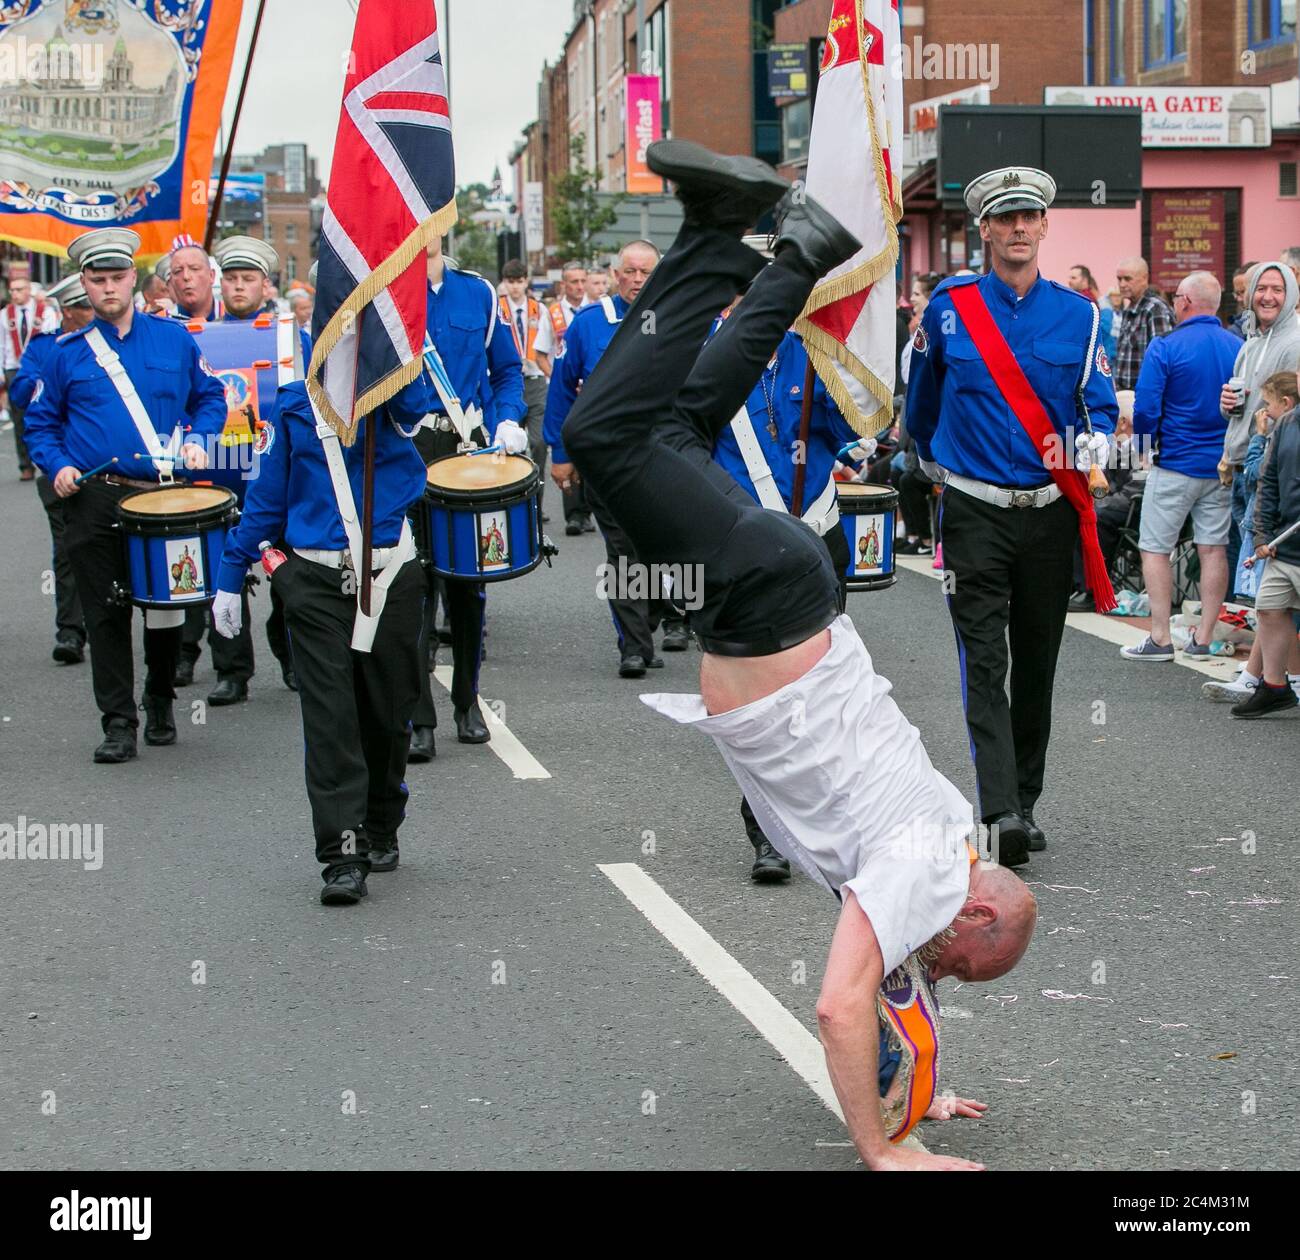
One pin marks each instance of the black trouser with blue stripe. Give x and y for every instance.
(1009, 572)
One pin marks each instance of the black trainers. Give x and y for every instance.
(159, 721)
(1265, 699)
(118, 745)
(716, 190)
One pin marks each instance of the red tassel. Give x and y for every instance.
(1095, 573)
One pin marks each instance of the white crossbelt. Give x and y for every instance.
(164, 457)
(364, 625)
(822, 515)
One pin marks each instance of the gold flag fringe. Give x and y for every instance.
(350, 310)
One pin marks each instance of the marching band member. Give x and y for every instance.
(523, 315)
(480, 361)
(123, 383)
(356, 706)
(592, 330)
(23, 318)
(1008, 524)
(69, 624)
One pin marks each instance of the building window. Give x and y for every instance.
(1270, 22)
(795, 122)
(1286, 179)
(1089, 63)
(1164, 32)
(1118, 28)
(290, 233)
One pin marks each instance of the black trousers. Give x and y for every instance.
(466, 611)
(535, 400)
(643, 429)
(234, 658)
(915, 490)
(69, 623)
(98, 562)
(356, 706)
(1010, 578)
(16, 415)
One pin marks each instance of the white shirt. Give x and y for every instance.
(545, 343)
(543, 321)
(843, 788)
(9, 359)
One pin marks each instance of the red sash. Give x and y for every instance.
(1028, 409)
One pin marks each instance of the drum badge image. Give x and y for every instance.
(186, 567)
(493, 543)
(868, 544)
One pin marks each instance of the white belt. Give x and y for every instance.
(824, 515)
(379, 557)
(1000, 497)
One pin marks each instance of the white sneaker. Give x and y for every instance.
(1225, 692)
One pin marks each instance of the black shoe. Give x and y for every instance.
(159, 721)
(546, 520)
(1037, 841)
(444, 634)
(1010, 841)
(470, 727)
(290, 678)
(228, 691)
(655, 662)
(184, 673)
(769, 866)
(422, 746)
(383, 856)
(632, 667)
(1082, 601)
(118, 745)
(68, 651)
(1265, 699)
(344, 886)
(588, 525)
(917, 548)
(677, 638)
(819, 240)
(716, 190)
(573, 527)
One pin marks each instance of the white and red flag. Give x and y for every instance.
(392, 188)
(854, 170)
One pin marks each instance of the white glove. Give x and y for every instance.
(931, 470)
(1090, 449)
(227, 614)
(514, 441)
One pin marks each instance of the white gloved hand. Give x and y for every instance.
(513, 440)
(931, 470)
(227, 614)
(1090, 449)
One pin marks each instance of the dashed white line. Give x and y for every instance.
(505, 743)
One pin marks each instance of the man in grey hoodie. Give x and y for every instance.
(1272, 345)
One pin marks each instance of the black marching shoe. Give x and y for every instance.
(817, 238)
(184, 674)
(383, 856)
(1081, 601)
(1037, 841)
(290, 678)
(677, 638)
(118, 745)
(228, 691)
(422, 746)
(588, 525)
(716, 190)
(655, 662)
(444, 636)
(159, 721)
(1008, 838)
(769, 866)
(470, 726)
(344, 885)
(68, 650)
(573, 527)
(1263, 700)
(632, 667)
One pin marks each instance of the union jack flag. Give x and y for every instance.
(392, 189)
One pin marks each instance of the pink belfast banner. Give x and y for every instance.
(643, 127)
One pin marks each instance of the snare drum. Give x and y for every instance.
(867, 516)
(174, 537)
(482, 518)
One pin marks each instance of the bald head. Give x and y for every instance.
(992, 930)
(1132, 276)
(1202, 292)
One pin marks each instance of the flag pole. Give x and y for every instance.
(801, 450)
(368, 509)
(234, 127)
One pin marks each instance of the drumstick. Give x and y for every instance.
(108, 463)
(487, 450)
(1249, 562)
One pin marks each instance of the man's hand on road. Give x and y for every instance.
(904, 1159)
(945, 1106)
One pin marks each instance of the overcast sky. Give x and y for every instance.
(497, 50)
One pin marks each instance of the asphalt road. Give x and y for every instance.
(498, 1003)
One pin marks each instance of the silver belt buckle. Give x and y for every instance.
(1023, 498)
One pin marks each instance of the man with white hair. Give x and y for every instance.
(1146, 317)
(1177, 408)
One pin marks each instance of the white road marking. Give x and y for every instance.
(505, 743)
(1113, 629)
(792, 1041)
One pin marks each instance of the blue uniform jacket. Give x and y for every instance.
(584, 343)
(1178, 395)
(292, 496)
(955, 412)
(828, 431)
(79, 419)
(485, 370)
(22, 389)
